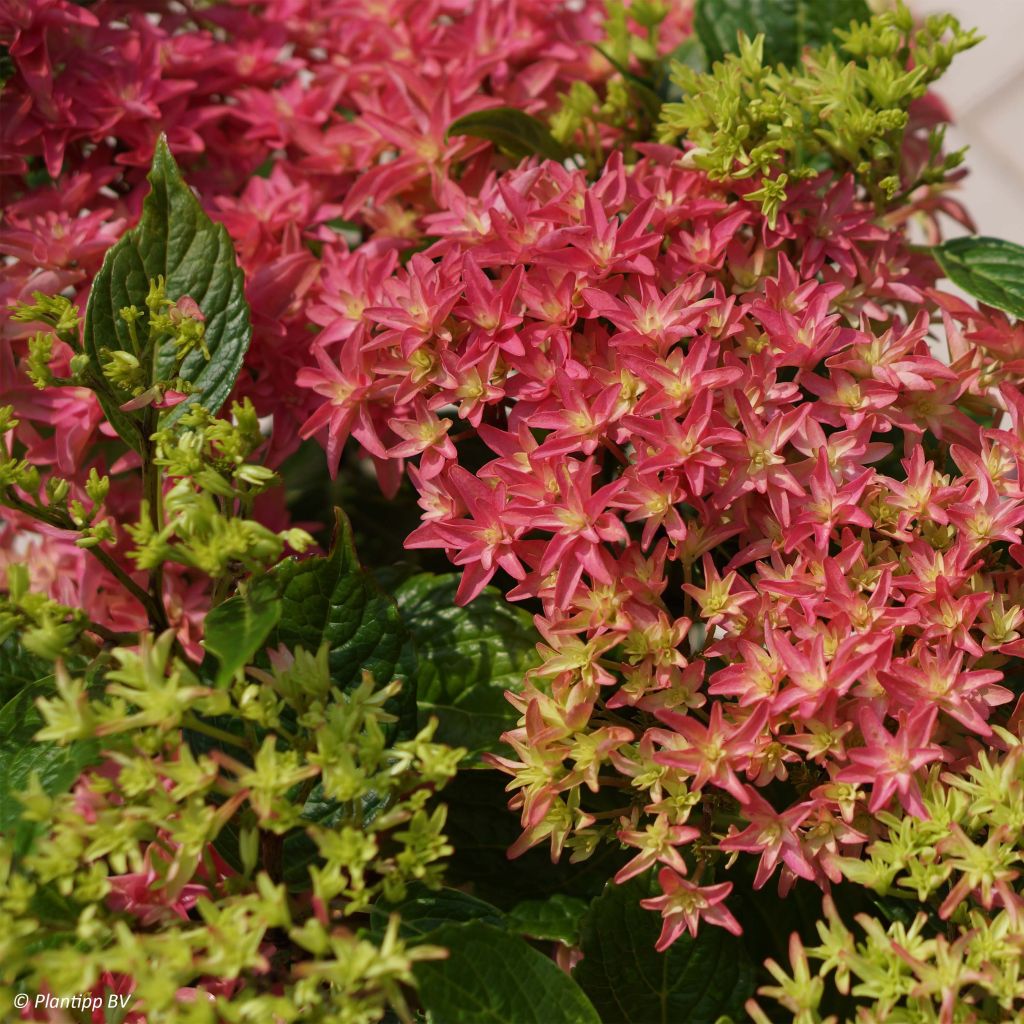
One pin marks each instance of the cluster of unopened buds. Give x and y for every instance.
(970, 835)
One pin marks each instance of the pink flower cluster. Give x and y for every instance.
(763, 482)
(307, 126)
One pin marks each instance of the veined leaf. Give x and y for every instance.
(988, 268)
(237, 629)
(468, 657)
(788, 25)
(425, 910)
(630, 983)
(57, 767)
(556, 919)
(18, 668)
(491, 977)
(481, 828)
(513, 131)
(177, 239)
(334, 599)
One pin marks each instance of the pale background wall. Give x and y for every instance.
(985, 92)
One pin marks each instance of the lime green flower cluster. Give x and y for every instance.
(14, 472)
(225, 832)
(61, 316)
(842, 107)
(54, 504)
(959, 957)
(203, 520)
(176, 328)
(44, 627)
(142, 376)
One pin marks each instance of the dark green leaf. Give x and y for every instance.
(57, 767)
(468, 657)
(237, 629)
(333, 598)
(482, 828)
(491, 977)
(174, 238)
(299, 849)
(424, 910)
(19, 668)
(50, 906)
(694, 980)
(557, 919)
(788, 25)
(512, 130)
(988, 268)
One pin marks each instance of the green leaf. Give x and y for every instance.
(513, 131)
(19, 668)
(788, 25)
(300, 851)
(237, 629)
(57, 767)
(333, 598)
(482, 828)
(990, 269)
(695, 980)
(424, 910)
(468, 657)
(174, 238)
(557, 919)
(491, 977)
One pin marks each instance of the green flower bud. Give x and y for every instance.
(249, 849)
(50, 639)
(123, 370)
(78, 514)
(17, 582)
(97, 487)
(79, 364)
(258, 476)
(7, 420)
(56, 310)
(156, 299)
(29, 478)
(57, 490)
(40, 352)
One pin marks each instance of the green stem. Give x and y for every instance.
(109, 635)
(191, 722)
(154, 608)
(152, 489)
(62, 521)
(688, 609)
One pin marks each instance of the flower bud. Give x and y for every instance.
(57, 490)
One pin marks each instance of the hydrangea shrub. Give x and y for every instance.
(622, 312)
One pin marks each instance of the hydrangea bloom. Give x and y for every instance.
(762, 490)
(287, 118)
(759, 476)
